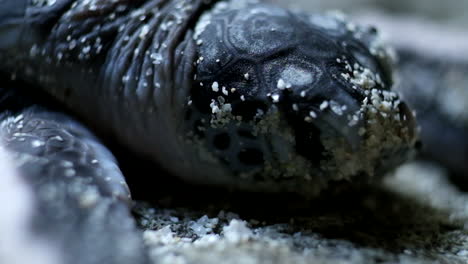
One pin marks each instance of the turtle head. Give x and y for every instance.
(280, 94)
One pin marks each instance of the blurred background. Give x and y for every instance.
(430, 26)
(451, 12)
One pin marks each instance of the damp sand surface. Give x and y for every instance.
(415, 216)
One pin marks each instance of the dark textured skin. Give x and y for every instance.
(90, 80)
(81, 202)
(89, 77)
(126, 68)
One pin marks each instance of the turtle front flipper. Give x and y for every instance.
(75, 199)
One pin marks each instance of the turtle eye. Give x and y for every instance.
(222, 141)
(250, 157)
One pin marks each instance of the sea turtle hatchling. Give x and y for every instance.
(233, 93)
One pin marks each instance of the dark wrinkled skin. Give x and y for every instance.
(99, 71)
(72, 70)
(141, 75)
